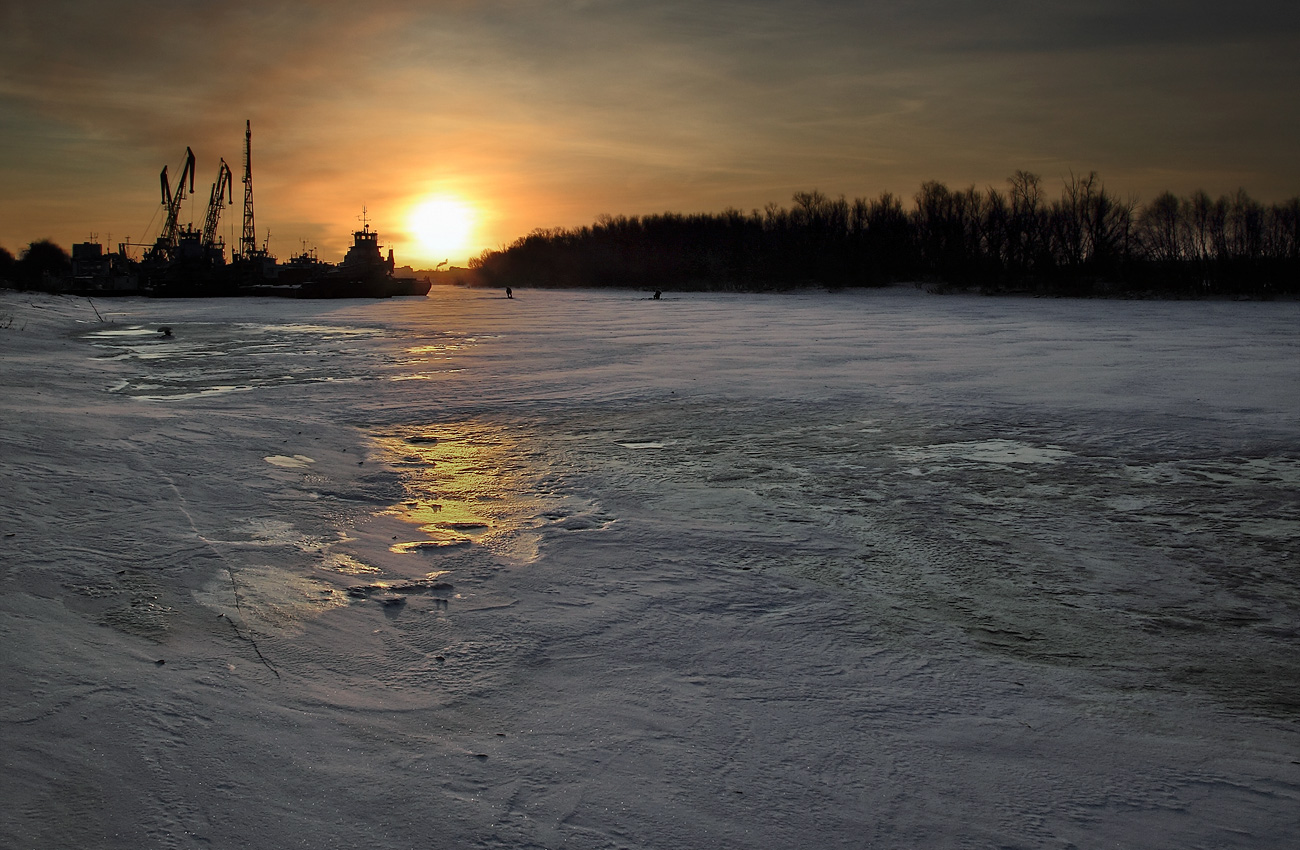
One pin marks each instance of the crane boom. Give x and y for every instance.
(172, 200)
(220, 190)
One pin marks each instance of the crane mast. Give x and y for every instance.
(248, 241)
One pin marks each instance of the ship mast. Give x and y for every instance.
(248, 242)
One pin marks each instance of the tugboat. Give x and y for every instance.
(364, 273)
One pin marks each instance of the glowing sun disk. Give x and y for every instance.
(442, 227)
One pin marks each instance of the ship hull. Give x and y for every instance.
(373, 286)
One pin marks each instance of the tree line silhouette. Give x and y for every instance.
(43, 265)
(1086, 242)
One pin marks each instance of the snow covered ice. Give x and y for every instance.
(586, 569)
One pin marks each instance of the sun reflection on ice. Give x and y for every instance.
(470, 484)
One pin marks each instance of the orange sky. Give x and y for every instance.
(544, 114)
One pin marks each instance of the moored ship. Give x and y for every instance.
(185, 262)
(364, 273)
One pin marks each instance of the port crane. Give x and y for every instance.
(220, 190)
(165, 247)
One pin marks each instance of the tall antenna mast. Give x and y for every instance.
(248, 241)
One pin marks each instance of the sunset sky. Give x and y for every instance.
(542, 114)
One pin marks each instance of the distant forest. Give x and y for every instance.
(40, 263)
(1086, 242)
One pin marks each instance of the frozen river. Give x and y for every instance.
(586, 569)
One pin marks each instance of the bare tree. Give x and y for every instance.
(1159, 224)
(1026, 232)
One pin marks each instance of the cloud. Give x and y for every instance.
(575, 107)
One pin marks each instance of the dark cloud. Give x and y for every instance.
(635, 103)
(142, 58)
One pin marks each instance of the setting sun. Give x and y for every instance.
(442, 228)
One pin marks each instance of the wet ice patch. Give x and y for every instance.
(268, 596)
(290, 462)
(1272, 529)
(479, 485)
(417, 359)
(435, 545)
(275, 532)
(135, 603)
(466, 485)
(202, 359)
(262, 533)
(345, 564)
(427, 375)
(133, 332)
(432, 584)
(1007, 453)
(1225, 472)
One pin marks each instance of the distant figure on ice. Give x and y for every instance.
(657, 294)
(165, 331)
(510, 293)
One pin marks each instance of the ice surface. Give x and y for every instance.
(584, 569)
